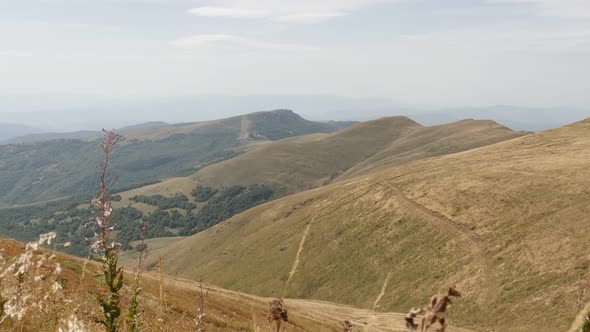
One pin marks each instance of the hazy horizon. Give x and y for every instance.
(58, 114)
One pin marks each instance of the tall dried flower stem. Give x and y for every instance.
(277, 313)
(200, 319)
(107, 248)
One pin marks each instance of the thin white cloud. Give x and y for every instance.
(569, 9)
(224, 43)
(203, 40)
(309, 17)
(212, 11)
(300, 11)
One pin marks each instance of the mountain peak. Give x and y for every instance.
(283, 111)
(283, 123)
(279, 115)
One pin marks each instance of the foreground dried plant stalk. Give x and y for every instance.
(437, 308)
(162, 298)
(200, 319)
(347, 326)
(104, 246)
(410, 324)
(277, 313)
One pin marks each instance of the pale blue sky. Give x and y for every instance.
(419, 52)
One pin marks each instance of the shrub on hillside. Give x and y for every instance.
(203, 194)
(178, 201)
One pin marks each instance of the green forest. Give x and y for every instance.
(48, 170)
(69, 217)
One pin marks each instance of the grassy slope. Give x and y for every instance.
(311, 161)
(225, 310)
(427, 142)
(129, 257)
(294, 164)
(45, 170)
(508, 224)
(297, 165)
(351, 152)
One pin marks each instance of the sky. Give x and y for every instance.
(436, 53)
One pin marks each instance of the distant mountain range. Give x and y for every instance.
(92, 113)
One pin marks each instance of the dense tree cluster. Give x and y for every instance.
(225, 204)
(178, 201)
(202, 194)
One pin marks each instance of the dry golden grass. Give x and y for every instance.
(507, 223)
(366, 147)
(310, 161)
(305, 162)
(129, 258)
(225, 310)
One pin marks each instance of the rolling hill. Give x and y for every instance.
(45, 170)
(507, 223)
(306, 162)
(265, 171)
